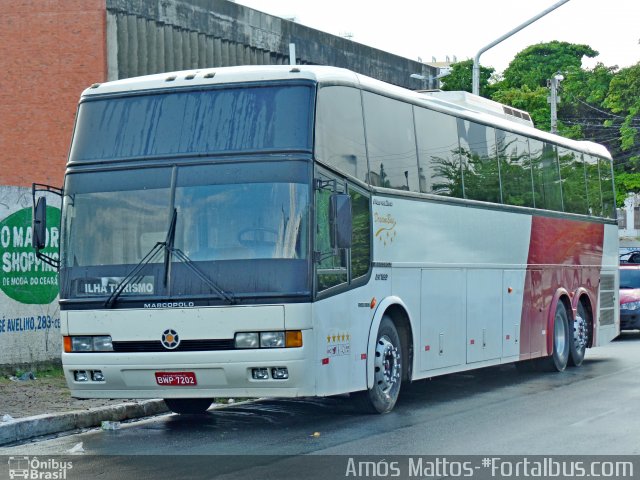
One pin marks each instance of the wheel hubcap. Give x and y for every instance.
(387, 365)
(580, 332)
(560, 335)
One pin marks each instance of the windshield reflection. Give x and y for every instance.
(246, 227)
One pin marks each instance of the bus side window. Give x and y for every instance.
(594, 194)
(574, 187)
(606, 181)
(361, 236)
(391, 143)
(340, 131)
(331, 266)
(438, 148)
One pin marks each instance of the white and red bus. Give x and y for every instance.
(308, 231)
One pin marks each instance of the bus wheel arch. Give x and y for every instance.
(558, 339)
(400, 318)
(389, 357)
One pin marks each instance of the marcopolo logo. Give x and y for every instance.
(23, 277)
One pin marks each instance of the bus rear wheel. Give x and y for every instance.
(559, 358)
(579, 336)
(387, 377)
(188, 406)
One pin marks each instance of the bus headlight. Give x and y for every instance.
(247, 340)
(85, 343)
(81, 344)
(272, 339)
(287, 339)
(102, 344)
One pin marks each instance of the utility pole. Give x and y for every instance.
(553, 100)
(475, 86)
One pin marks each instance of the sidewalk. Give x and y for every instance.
(43, 406)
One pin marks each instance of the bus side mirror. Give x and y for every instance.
(340, 220)
(39, 225)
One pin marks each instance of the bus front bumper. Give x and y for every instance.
(217, 374)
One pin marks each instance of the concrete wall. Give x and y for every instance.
(29, 313)
(50, 52)
(147, 36)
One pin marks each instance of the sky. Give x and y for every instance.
(430, 28)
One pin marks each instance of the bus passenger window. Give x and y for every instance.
(515, 169)
(594, 195)
(606, 181)
(340, 131)
(439, 163)
(546, 176)
(574, 188)
(391, 143)
(479, 162)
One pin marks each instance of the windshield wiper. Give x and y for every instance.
(169, 249)
(202, 276)
(171, 235)
(155, 250)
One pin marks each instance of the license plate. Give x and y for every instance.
(176, 379)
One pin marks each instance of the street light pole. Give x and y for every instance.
(553, 100)
(475, 87)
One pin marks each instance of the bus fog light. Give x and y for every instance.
(260, 373)
(80, 376)
(247, 340)
(97, 376)
(280, 373)
(272, 339)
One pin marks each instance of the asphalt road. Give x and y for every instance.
(588, 410)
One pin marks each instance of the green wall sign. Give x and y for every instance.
(23, 277)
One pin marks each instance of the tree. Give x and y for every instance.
(530, 100)
(534, 65)
(581, 110)
(461, 75)
(623, 98)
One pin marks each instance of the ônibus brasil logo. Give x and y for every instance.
(23, 277)
(50, 468)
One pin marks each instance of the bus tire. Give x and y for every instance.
(382, 397)
(188, 406)
(579, 334)
(557, 361)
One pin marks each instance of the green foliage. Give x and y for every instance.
(623, 98)
(460, 78)
(626, 183)
(534, 65)
(531, 100)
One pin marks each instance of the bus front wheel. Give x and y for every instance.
(188, 406)
(382, 396)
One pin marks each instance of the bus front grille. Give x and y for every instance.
(184, 346)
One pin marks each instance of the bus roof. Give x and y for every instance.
(337, 76)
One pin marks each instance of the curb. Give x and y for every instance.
(50, 423)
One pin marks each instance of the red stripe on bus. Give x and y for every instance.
(562, 254)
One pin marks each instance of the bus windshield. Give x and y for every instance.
(212, 121)
(244, 225)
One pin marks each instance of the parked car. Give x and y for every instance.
(630, 291)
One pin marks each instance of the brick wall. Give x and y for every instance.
(50, 50)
